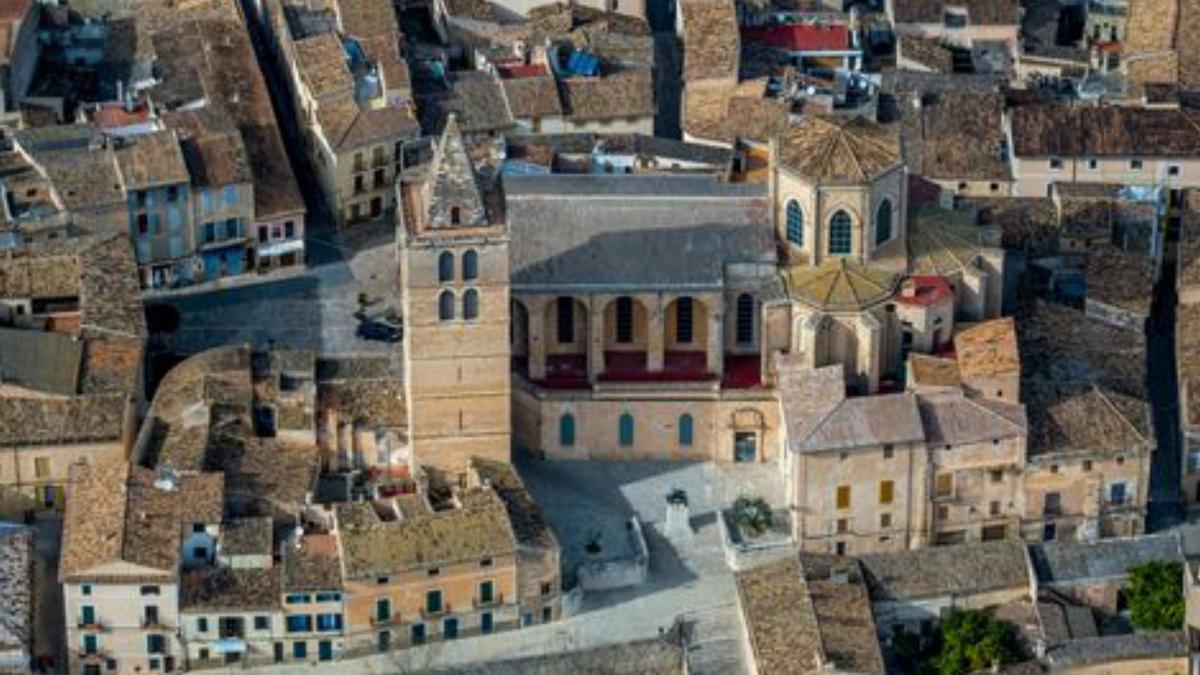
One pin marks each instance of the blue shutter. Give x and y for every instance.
(625, 430)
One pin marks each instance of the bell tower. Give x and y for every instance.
(454, 286)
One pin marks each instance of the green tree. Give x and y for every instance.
(1155, 595)
(972, 640)
(753, 514)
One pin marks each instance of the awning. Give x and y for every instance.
(281, 247)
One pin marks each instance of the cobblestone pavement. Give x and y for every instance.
(313, 309)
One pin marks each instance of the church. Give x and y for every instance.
(640, 316)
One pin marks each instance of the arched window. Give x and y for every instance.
(683, 320)
(745, 319)
(625, 430)
(839, 234)
(470, 265)
(446, 306)
(446, 266)
(883, 222)
(795, 223)
(685, 429)
(566, 430)
(471, 304)
(624, 319)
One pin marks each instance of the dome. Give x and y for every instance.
(826, 149)
(840, 285)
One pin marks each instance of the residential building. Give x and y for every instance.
(351, 93)
(232, 613)
(1052, 143)
(956, 140)
(961, 23)
(81, 167)
(314, 603)
(159, 196)
(120, 564)
(805, 614)
(71, 346)
(415, 575)
(1091, 436)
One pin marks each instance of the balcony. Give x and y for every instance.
(497, 599)
(154, 624)
(445, 609)
(93, 626)
(391, 620)
(98, 656)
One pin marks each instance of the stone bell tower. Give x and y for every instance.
(454, 285)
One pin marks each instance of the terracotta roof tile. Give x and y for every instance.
(826, 149)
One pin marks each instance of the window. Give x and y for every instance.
(887, 489)
(202, 625)
(565, 319)
(154, 665)
(485, 623)
(143, 223)
(795, 223)
(843, 526)
(455, 215)
(1092, 164)
(994, 508)
(418, 634)
(360, 185)
(155, 644)
(1135, 164)
(299, 623)
(329, 597)
(1052, 504)
(87, 615)
(1087, 465)
(299, 650)
(199, 553)
(230, 195)
(471, 304)
(233, 228)
(445, 266)
(263, 234)
(1173, 170)
(150, 617)
(446, 306)
(297, 598)
(683, 320)
(210, 232)
(487, 592)
(470, 265)
(329, 622)
(149, 590)
(172, 193)
(1116, 493)
(843, 496)
(450, 628)
(206, 200)
(566, 430)
(41, 467)
(289, 229)
(885, 521)
(889, 451)
(433, 571)
(379, 178)
(685, 429)
(745, 319)
(383, 609)
(625, 430)
(996, 475)
(883, 222)
(839, 233)
(433, 602)
(1056, 164)
(381, 581)
(545, 589)
(624, 319)
(944, 485)
(262, 623)
(91, 644)
(486, 562)
(86, 589)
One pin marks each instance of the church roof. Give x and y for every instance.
(826, 149)
(840, 285)
(453, 187)
(941, 242)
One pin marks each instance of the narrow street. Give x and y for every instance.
(1165, 506)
